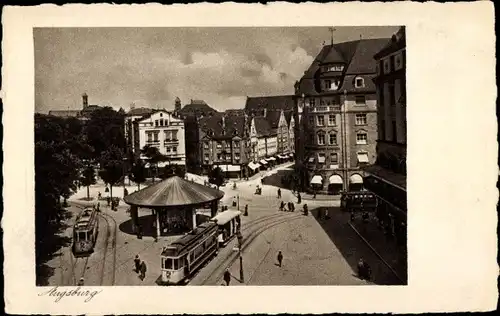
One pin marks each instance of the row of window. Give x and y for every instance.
(236, 144)
(221, 157)
(360, 119)
(334, 158)
(393, 63)
(361, 138)
(329, 84)
(152, 136)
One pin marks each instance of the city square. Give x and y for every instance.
(302, 188)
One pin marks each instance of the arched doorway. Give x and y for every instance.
(335, 184)
(355, 182)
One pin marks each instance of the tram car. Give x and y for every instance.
(183, 257)
(228, 222)
(358, 201)
(85, 232)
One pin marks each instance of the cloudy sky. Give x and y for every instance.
(152, 66)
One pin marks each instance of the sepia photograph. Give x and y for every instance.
(220, 156)
(249, 158)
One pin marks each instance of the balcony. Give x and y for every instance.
(153, 142)
(170, 141)
(325, 108)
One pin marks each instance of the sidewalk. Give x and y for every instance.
(395, 256)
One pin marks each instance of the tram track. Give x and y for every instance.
(110, 239)
(255, 229)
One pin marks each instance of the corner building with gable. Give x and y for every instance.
(336, 111)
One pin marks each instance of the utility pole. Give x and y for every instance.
(240, 242)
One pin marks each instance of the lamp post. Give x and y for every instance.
(240, 242)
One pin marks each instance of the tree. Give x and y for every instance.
(174, 170)
(138, 173)
(56, 174)
(154, 157)
(112, 167)
(88, 178)
(216, 176)
(105, 121)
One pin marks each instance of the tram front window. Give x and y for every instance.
(176, 264)
(169, 264)
(82, 236)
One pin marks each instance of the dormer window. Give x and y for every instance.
(359, 83)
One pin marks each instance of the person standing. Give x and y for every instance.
(227, 277)
(246, 210)
(137, 263)
(280, 258)
(143, 270)
(279, 193)
(299, 198)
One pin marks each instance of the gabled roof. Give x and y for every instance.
(278, 102)
(232, 123)
(357, 55)
(262, 126)
(196, 107)
(273, 118)
(333, 56)
(397, 42)
(140, 111)
(235, 112)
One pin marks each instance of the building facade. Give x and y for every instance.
(225, 143)
(191, 114)
(165, 132)
(336, 107)
(132, 130)
(387, 177)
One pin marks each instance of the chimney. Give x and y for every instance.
(85, 98)
(265, 112)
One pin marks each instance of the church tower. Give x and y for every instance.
(85, 98)
(178, 105)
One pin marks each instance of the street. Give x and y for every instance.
(315, 252)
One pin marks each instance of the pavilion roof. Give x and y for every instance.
(172, 192)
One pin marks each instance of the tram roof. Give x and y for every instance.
(187, 240)
(174, 192)
(224, 217)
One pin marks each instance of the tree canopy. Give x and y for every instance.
(216, 176)
(138, 173)
(104, 129)
(112, 165)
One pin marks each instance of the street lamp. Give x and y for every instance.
(240, 242)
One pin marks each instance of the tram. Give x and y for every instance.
(184, 256)
(85, 232)
(228, 222)
(358, 201)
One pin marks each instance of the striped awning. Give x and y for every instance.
(335, 179)
(355, 179)
(263, 162)
(173, 192)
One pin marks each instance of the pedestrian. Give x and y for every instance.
(314, 196)
(98, 206)
(155, 232)
(137, 263)
(227, 277)
(292, 206)
(108, 199)
(326, 214)
(282, 205)
(139, 231)
(364, 271)
(299, 198)
(279, 193)
(143, 270)
(280, 258)
(99, 195)
(246, 210)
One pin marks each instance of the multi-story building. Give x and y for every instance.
(191, 113)
(224, 142)
(132, 129)
(162, 130)
(387, 177)
(336, 107)
(83, 114)
(278, 112)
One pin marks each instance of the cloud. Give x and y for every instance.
(151, 66)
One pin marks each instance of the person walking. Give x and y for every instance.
(246, 210)
(143, 270)
(280, 258)
(299, 198)
(279, 193)
(137, 263)
(282, 205)
(227, 277)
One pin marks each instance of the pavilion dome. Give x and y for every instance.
(172, 192)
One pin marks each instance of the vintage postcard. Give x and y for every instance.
(224, 158)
